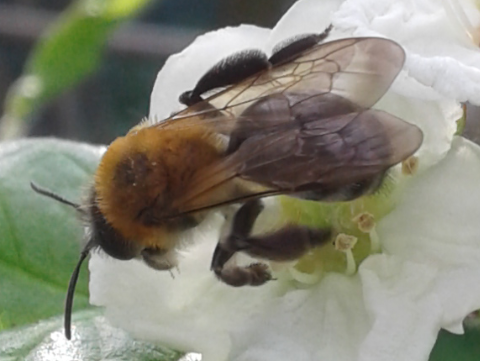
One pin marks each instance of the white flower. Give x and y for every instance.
(425, 278)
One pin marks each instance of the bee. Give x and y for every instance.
(297, 123)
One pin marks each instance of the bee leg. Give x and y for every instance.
(289, 48)
(255, 274)
(228, 71)
(243, 64)
(286, 244)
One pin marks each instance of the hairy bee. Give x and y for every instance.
(297, 123)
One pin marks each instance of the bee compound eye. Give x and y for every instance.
(112, 242)
(106, 237)
(122, 250)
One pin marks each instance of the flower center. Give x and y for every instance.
(353, 224)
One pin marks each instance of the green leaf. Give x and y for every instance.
(70, 50)
(93, 339)
(450, 347)
(40, 238)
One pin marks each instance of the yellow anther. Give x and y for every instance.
(345, 242)
(365, 222)
(410, 165)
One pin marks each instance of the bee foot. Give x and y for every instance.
(259, 274)
(255, 274)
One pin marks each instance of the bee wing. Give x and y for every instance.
(296, 124)
(360, 70)
(329, 152)
(319, 155)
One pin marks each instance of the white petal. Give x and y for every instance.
(465, 17)
(182, 71)
(436, 118)
(326, 322)
(195, 312)
(437, 220)
(436, 224)
(409, 302)
(304, 17)
(438, 55)
(405, 313)
(447, 75)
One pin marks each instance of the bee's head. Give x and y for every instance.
(131, 191)
(138, 188)
(101, 235)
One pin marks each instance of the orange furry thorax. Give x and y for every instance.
(144, 175)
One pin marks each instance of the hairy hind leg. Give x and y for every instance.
(286, 244)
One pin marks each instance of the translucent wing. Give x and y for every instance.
(360, 70)
(303, 125)
(322, 156)
(327, 153)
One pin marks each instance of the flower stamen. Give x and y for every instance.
(364, 221)
(374, 241)
(410, 165)
(345, 243)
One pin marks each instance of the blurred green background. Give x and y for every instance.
(114, 95)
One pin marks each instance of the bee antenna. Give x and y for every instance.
(71, 291)
(58, 198)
